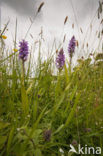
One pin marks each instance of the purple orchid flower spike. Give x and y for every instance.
(24, 50)
(71, 47)
(60, 60)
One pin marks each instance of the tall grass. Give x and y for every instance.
(43, 112)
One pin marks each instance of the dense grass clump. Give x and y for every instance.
(42, 113)
(46, 106)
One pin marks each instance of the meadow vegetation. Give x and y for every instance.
(43, 111)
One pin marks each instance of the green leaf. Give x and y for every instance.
(38, 120)
(70, 117)
(2, 141)
(35, 108)
(56, 107)
(71, 97)
(59, 129)
(10, 140)
(38, 152)
(66, 74)
(3, 125)
(25, 103)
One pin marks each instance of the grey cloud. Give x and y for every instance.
(82, 7)
(85, 8)
(57, 10)
(25, 7)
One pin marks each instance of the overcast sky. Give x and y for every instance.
(51, 18)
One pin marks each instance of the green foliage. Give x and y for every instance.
(70, 104)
